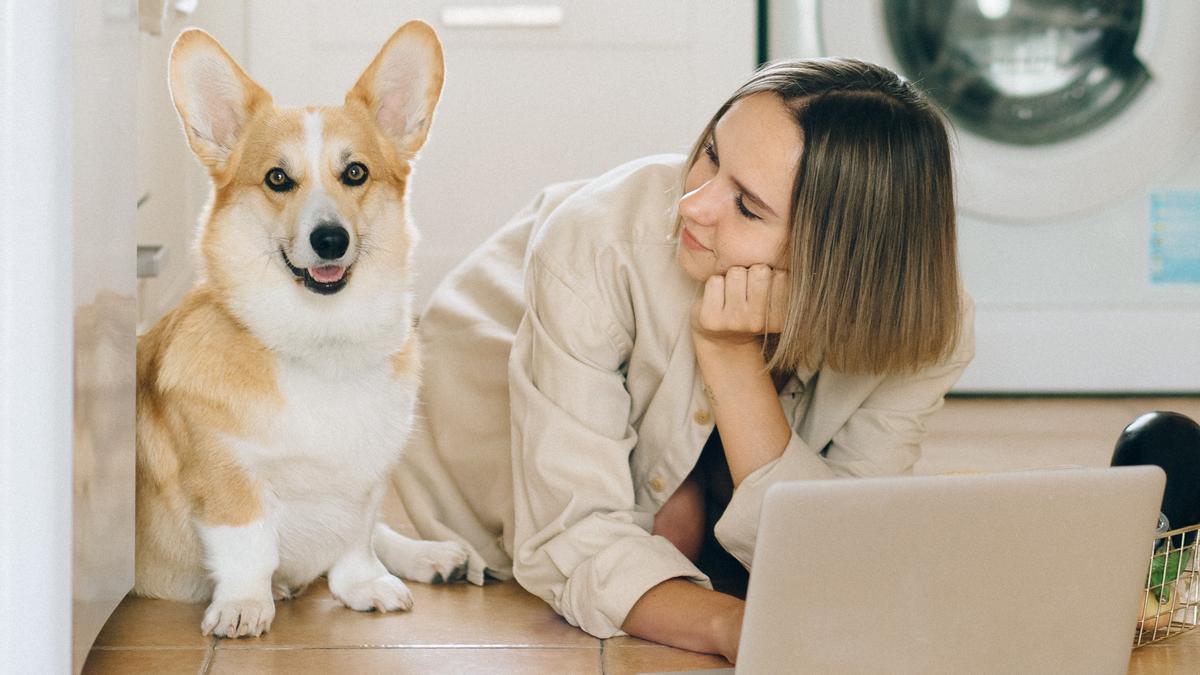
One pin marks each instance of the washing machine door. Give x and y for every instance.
(1061, 107)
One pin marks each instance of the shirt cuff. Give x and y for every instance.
(737, 529)
(600, 592)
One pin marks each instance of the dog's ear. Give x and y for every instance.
(402, 85)
(214, 96)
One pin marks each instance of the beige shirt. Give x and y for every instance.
(605, 404)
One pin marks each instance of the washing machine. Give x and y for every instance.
(1076, 127)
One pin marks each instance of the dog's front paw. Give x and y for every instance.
(384, 593)
(238, 618)
(429, 562)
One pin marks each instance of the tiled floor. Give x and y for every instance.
(500, 628)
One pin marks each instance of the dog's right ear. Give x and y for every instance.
(214, 96)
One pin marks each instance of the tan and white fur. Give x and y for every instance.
(274, 401)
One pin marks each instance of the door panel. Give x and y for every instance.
(103, 119)
(66, 326)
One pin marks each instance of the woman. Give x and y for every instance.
(792, 282)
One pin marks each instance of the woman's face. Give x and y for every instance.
(736, 207)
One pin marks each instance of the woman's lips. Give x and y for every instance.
(693, 243)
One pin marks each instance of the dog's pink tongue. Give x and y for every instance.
(327, 274)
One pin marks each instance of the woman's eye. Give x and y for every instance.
(711, 152)
(741, 204)
(278, 180)
(355, 174)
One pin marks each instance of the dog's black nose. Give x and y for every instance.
(330, 241)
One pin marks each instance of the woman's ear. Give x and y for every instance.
(402, 86)
(213, 95)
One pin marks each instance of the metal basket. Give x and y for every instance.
(1171, 599)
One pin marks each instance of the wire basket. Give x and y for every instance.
(1171, 599)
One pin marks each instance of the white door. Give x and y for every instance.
(104, 66)
(67, 315)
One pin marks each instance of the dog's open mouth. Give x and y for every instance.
(325, 279)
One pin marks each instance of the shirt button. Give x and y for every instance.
(657, 484)
(702, 417)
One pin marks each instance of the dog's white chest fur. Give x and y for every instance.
(351, 423)
(322, 460)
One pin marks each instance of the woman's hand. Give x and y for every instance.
(741, 306)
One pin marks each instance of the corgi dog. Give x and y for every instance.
(275, 400)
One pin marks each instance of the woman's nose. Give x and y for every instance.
(699, 205)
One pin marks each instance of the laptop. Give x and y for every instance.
(1022, 572)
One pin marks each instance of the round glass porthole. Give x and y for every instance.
(1025, 72)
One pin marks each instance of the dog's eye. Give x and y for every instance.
(278, 180)
(355, 174)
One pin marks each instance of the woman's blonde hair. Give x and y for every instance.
(871, 252)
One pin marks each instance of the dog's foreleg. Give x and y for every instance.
(359, 580)
(242, 560)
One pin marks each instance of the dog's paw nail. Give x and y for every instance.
(238, 618)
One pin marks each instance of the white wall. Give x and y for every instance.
(35, 337)
(166, 169)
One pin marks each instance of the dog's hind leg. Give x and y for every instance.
(431, 562)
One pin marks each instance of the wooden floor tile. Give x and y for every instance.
(142, 622)
(140, 661)
(499, 614)
(481, 661)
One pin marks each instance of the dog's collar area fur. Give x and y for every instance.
(324, 288)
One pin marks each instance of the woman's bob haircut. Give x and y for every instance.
(871, 252)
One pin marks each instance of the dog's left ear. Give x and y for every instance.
(402, 86)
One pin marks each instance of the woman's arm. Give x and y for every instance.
(580, 539)
(875, 423)
(679, 613)
(727, 323)
(745, 405)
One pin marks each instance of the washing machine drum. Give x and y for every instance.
(1061, 108)
(1022, 72)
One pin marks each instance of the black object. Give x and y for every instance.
(1171, 441)
(712, 472)
(330, 241)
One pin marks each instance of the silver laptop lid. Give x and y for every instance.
(1029, 572)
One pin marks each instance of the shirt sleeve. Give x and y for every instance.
(580, 541)
(881, 437)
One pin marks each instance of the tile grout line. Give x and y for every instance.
(148, 648)
(435, 645)
(209, 655)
